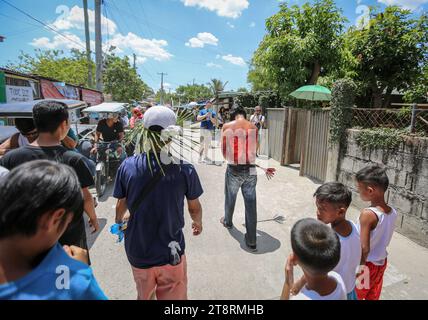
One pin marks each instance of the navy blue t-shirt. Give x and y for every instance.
(160, 218)
(207, 124)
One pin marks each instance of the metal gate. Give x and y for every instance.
(313, 162)
(275, 134)
(295, 123)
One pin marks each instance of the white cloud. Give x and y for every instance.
(214, 65)
(234, 60)
(74, 19)
(224, 8)
(252, 24)
(201, 40)
(407, 4)
(145, 48)
(218, 56)
(231, 25)
(59, 42)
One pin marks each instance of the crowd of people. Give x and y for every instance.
(42, 229)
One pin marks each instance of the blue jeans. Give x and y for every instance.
(245, 178)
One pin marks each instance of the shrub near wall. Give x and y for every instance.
(407, 169)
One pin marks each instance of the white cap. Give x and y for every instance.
(159, 116)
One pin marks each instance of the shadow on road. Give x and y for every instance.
(265, 242)
(91, 238)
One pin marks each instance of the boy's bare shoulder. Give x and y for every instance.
(367, 216)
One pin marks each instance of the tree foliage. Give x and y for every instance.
(301, 44)
(122, 81)
(54, 64)
(242, 89)
(265, 99)
(216, 86)
(307, 44)
(418, 93)
(391, 52)
(196, 92)
(343, 98)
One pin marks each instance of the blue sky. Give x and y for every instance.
(190, 40)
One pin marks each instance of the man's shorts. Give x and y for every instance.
(167, 282)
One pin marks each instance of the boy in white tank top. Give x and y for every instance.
(376, 227)
(332, 201)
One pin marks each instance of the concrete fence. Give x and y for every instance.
(407, 169)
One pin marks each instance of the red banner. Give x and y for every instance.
(49, 90)
(92, 97)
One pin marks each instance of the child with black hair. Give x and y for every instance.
(376, 227)
(39, 199)
(332, 201)
(316, 249)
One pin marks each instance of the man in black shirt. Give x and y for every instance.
(110, 129)
(51, 120)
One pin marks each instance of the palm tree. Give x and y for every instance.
(217, 86)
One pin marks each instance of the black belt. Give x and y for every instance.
(241, 166)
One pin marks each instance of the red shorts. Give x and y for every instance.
(165, 283)
(376, 282)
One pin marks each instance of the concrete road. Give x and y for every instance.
(220, 267)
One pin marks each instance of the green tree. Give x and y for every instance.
(189, 93)
(54, 64)
(418, 93)
(301, 44)
(216, 86)
(242, 89)
(168, 97)
(391, 53)
(122, 81)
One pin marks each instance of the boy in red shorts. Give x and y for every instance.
(376, 228)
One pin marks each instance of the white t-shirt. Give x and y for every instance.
(350, 257)
(381, 236)
(255, 119)
(125, 121)
(338, 294)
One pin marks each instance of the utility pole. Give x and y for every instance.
(162, 91)
(135, 59)
(98, 45)
(88, 42)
